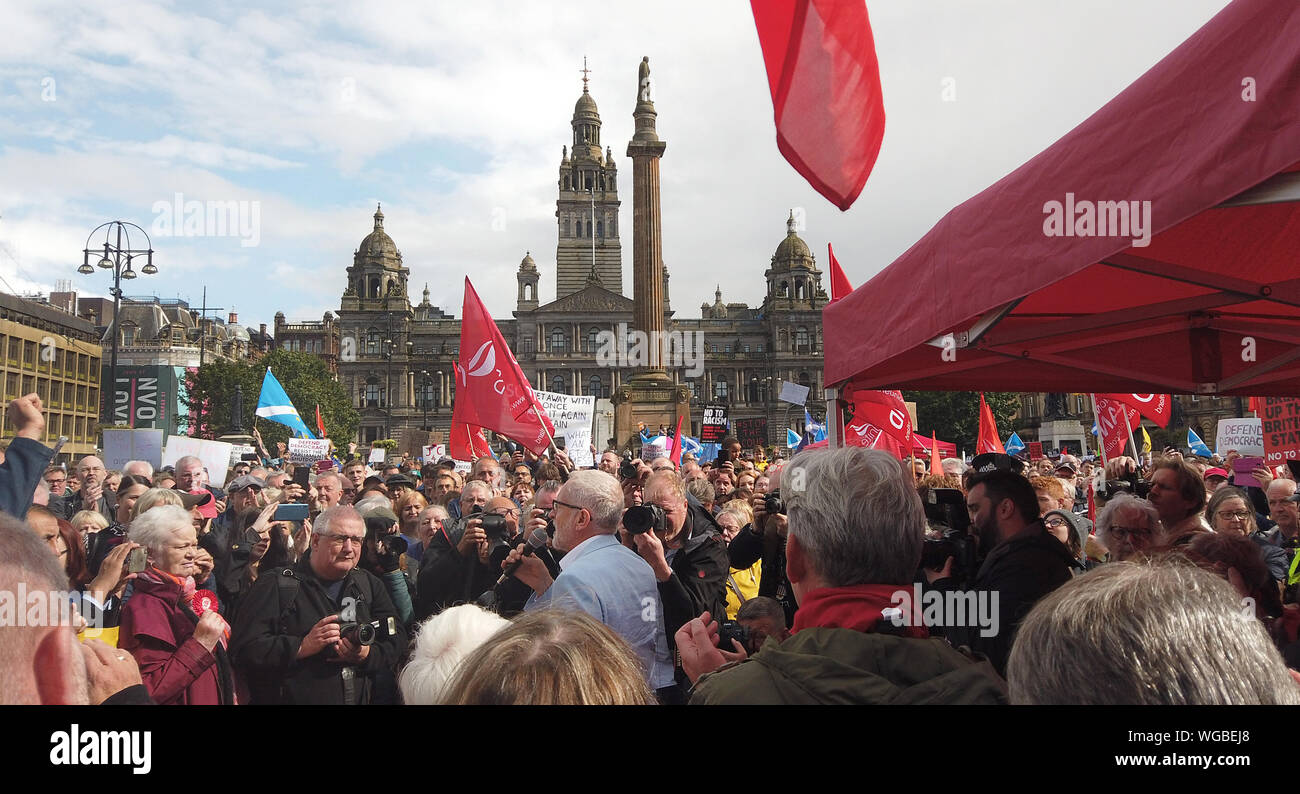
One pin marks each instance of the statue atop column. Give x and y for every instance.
(643, 81)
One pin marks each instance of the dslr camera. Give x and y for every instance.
(733, 630)
(772, 503)
(644, 518)
(366, 633)
(627, 470)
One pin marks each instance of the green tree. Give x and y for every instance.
(305, 379)
(955, 415)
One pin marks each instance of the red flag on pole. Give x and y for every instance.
(880, 421)
(492, 389)
(467, 441)
(1111, 415)
(676, 451)
(840, 285)
(988, 440)
(1156, 407)
(825, 83)
(320, 423)
(936, 468)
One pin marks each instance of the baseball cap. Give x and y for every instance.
(1215, 472)
(995, 461)
(1066, 466)
(246, 481)
(203, 501)
(399, 479)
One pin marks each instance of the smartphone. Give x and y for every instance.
(249, 456)
(559, 442)
(1244, 469)
(137, 560)
(290, 512)
(301, 475)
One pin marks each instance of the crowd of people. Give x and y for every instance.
(837, 576)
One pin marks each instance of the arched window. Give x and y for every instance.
(528, 291)
(595, 386)
(374, 395)
(798, 289)
(372, 342)
(557, 385)
(613, 221)
(801, 339)
(593, 340)
(559, 340)
(784, 289)
(600, 228)
(720, 389)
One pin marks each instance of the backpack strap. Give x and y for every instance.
(287, 582)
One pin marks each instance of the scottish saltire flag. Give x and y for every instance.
(1197, 445)
(274, 404)
(813, 429)
(1014, 445)
(792, 439)
(647, 439)
(691, 445)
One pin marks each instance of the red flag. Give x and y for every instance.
(1111, 415)
(880, 421)
(494, 392)
(320, 423)
(936, 468)
(840, 285)
(825, 83)
(676, 452)
(1253, 405)
(988, 440)
(1156, 407)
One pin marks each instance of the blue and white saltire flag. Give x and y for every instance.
(1197, 445)
(815, 430)
(274, 404)
(649, 440)
(792, 439)
(1014, 445)
(691, 446)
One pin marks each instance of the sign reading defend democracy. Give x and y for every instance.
(308, 450)
(1244, 435)
(713, 426)
(1280, 423)
(571, 415)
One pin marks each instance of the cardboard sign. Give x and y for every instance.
(214, 454)
(1035, 450)
(1244, 435)
(464, 466)
(572, 416)
(752, 432)
(795, 393)
(1280, 426)
(650, 452)
(378, 455)
(435, 452)
(121, 446)
(713, 427)
(308, 450)
(238, 451)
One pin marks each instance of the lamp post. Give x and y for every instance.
(426, 381)
(114, 231)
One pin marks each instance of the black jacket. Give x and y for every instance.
(749, 547)
(25, 464)
(1020, 571)
(446, 578)
(700, 568)
(279, 611)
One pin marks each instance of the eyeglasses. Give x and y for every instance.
(1054, 522)
(1227, 516)
(339, 540)
(565, 504)
(504, 511)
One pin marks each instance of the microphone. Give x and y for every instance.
(536, 541)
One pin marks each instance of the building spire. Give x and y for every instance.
(379, 216)
(789, 224)
(585, 72)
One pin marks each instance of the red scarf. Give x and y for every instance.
(858, 607)
(187, 589)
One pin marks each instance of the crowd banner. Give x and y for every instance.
(752, 432)
(1280, 427)
(713, 426)
(434, 452)
(572, 416)
(214, 454)
(308, 450)
(1035, 450)
(121, 446)
(1246, 436)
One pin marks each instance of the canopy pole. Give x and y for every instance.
(834, 418)
(1101, 442)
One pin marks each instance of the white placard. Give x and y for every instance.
(122, 446)
(308, 450)
(434, 452)
(795, 393)
(238, 451)
(1244, 435)
(214, 454)
(572, 416)
(463, 466)
(378, 455)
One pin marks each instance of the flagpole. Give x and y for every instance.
(1137, 453)
(1101, 441)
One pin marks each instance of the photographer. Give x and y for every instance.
(456, 568)
(382, 555)
(684, 547)
(765, 539)
(323, 631)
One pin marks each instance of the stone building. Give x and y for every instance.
(395, 358)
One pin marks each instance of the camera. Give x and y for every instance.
(391, 544)
(772, 503)
(494, 525)
(954, 544)
(644, 518)
(732, 630)
(628, 470)
(366, 633)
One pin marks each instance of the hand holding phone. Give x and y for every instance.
(137, 560)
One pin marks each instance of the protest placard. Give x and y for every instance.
(1035, 450)
(1244, 435)
(752, 432)
(572, 416)
(434, 452)
(308, 450)
(1280, 427)
(713, 426)
(214, 454)
(121, 446)
(795, 393)
(378, 455)
(238, 451)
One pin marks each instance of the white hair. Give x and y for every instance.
(321, 526)
(600, 493)
(139, 468)
(470, 486)
(155, 527)
(1124, 502)
(441, 643)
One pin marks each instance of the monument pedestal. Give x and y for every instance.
(1069, 432)
(650, 401)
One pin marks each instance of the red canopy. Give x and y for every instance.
(921, 446)
(1210, 136)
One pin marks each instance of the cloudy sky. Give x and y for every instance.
(453, 115)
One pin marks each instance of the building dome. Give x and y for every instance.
(586, 106)
(528, 264)
(792, 249)
(378, 243)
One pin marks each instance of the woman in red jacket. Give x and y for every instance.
(181, 654)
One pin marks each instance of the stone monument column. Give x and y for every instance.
(645, 149)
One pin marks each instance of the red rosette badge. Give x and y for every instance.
(203, 601)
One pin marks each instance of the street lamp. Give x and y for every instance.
(114, 231)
